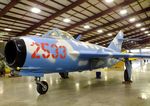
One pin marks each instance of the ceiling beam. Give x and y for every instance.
(64, 10)
(111, 9)
(145, 40)
(34, 18)
(18, 19)
(115, 29)
(23, 21)
(139, 36)
(44, 5)
(10, 5)
(112, 39)
(116, 20)
(11, 32)
(126, 35)
(15, 21)
(15, 29)
(13, 25)
(140, 44)
(128, 44)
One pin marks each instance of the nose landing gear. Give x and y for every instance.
(42, 86)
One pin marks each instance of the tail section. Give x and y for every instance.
(77, 37)
(116, 44)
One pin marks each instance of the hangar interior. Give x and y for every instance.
(98, 22)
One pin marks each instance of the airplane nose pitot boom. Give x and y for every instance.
(15, 52)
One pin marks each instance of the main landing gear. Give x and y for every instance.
(64, 75)
(42, 86)
(127, 72)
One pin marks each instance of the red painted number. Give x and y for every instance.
(63, 56)
(34, 55)
(56, 51)
(46, 52)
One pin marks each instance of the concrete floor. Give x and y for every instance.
(82, 89)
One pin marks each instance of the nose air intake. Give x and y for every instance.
(15, 52)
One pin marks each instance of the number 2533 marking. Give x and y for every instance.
(46, 53)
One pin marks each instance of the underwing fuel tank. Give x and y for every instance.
(15, 52)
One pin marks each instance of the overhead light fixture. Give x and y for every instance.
(122, 12)
(1, 41)
(86, 26)
(109, 34)
(35, 10)
(67, 20)
(142, 29)
(109, 1)
(7, 29)
(100, 31)
(38, 34)
(146, 32)
(132, 19)
(138, 25)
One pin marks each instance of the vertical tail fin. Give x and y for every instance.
(116, 44)
(78, 37)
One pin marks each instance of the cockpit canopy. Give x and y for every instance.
(57, 33)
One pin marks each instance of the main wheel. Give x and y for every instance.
(64, 75)
(42, 87)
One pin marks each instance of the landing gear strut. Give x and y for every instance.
(127, 72)
(64, 75)
(42, 86)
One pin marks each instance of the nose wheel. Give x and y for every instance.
(42, 86)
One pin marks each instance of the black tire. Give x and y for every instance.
(40, 89)
(126, 76)
(64, 75)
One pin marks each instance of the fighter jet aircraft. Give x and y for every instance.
(58, 52)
